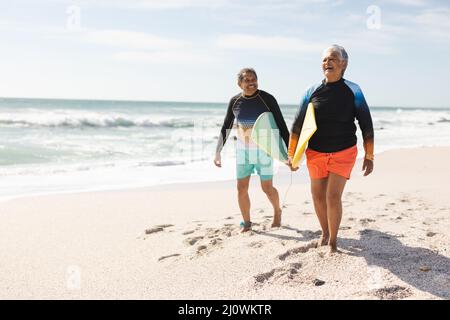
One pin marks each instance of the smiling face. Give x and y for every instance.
(249, 83)
(333, 66)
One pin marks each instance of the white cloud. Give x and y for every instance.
(370, 41)
(428, 24)
(182, 57)
(434, 24)
(147, 48)
(266, 43)
(436, 18)
(133, 40)
(412, 3)
(155, 4)
(212, 4)
(15, 25)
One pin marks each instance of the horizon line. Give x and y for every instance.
(202, 102)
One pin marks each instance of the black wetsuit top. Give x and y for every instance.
(336, 105)
(246, 109)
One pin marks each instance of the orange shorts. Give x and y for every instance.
(320, 164)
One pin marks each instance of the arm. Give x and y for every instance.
(364, 118)
(226, 127)
(278, 116)
(298, 122)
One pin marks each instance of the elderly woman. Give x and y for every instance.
(332, 150)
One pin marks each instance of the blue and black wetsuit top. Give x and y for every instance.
(336, 106)
(246, 109)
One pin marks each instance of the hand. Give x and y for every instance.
(367, 166)
(289, 163)
(218, 160)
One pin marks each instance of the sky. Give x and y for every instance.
(191, 50)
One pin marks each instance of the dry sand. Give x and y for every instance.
(394, 240)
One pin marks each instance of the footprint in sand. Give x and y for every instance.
(212, 233)
(157, 228)
(302, 249)
(308, 234)
(392, 293)
(256, 244)
(294, 267)
(188, 232)
(164, 225)
(391, 204)
(288, 272)
(169, 256)
(291, 270)
(365, 232)
(215, 241)
(193, 240)
(212, 238)
(366, 221)
(153, 230)
(318, 282)
(263, 277)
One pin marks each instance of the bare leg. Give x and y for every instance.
(319, 194)
(336, 184)
(274, 199)
(244, 199)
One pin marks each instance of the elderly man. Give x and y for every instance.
(332, 150)
(246, 107)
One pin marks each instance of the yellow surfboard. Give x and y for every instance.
(308, 129)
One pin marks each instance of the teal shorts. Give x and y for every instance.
(248, 160)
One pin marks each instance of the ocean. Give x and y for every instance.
(53, 146)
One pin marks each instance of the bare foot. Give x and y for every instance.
(332, 249)
(246, 226)
(277, 219)
(322, 241)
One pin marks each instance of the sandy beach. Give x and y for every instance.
(182, 241)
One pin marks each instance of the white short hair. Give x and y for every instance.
(341, 52)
